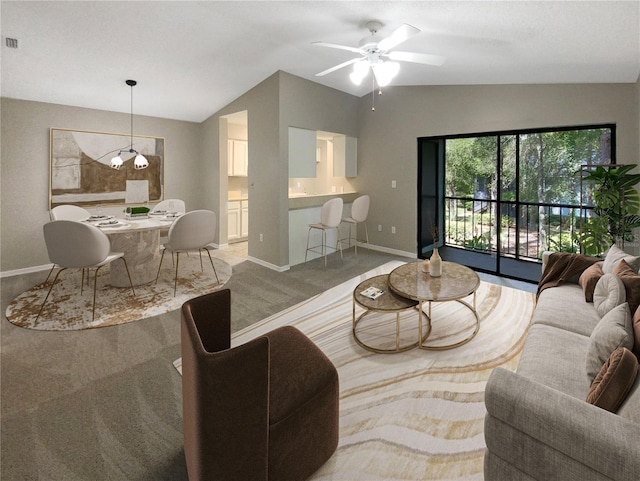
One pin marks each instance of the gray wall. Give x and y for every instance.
(24, 168)
(280, 101)
(261, 104)
(387, 149)
(387, 145)
(308, 105)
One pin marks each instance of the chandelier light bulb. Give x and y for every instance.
(116, 162)
(140, 162)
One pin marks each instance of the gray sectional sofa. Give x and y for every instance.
(538, 424)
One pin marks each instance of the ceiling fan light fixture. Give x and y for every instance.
(373, 48)
(360, 71)
(361, 68)
(385, 72)
(355, 78)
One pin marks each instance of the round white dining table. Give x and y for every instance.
(139, 239)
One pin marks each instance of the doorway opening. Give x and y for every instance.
(234, 178)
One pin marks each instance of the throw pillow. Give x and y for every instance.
(608, 293)
(612, 331)
(588, 280)
(631, 281)
(636, 333)
(612, 384)
(615, 255)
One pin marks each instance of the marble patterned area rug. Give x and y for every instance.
(67, 309)
(417, 414)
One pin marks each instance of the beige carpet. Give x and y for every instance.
(66, 309)
(416, 415)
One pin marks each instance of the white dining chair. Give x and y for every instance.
(69, 212)
(72, 244)
(171, 205)
(174, 206)
(192, 231)
(330, 216)
(359, 213)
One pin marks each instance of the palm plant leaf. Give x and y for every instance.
(617, 204)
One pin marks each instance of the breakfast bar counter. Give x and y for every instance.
(304, 209)
(305, 201)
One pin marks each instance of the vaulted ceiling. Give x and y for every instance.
(192, 58)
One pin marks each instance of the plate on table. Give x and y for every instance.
(98, 218)
(110, 223)
(158, 212)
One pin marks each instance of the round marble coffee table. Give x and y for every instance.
(455, 283)
(387, 302)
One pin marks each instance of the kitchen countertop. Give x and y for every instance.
(303, 201)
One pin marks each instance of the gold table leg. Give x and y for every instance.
(472, 308)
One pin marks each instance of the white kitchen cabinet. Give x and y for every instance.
(302, 153)
(233, 214)
(244, 218)
(345, 156)
(238, 217)
(238, 155)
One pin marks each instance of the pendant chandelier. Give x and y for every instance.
(140, 162)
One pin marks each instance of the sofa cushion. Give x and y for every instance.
(588, 280)
(549, 357)
(613, 331)
(564, 307)
(615, 255)
(631, 281)
(614, 381)
(630, 408)
(609, 293)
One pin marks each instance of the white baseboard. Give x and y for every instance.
(46, 267)
(388, 250)
(25, 270)
(268, 265)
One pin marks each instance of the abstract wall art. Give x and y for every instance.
(81, 172)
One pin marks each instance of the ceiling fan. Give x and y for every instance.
(374, 51)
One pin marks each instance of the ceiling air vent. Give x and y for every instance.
(11, 42)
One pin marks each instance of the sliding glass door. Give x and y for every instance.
(498, 200)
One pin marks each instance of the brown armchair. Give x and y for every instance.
(264, 410)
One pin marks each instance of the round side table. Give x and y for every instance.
(456, 283)
(389, 302)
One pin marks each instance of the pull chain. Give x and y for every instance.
(373, 94)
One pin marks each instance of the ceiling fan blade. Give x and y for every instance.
(337, 67)
(423, 58)
(334, 45)
(399, 35)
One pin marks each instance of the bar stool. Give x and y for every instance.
(359, 213)
(330, 216)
